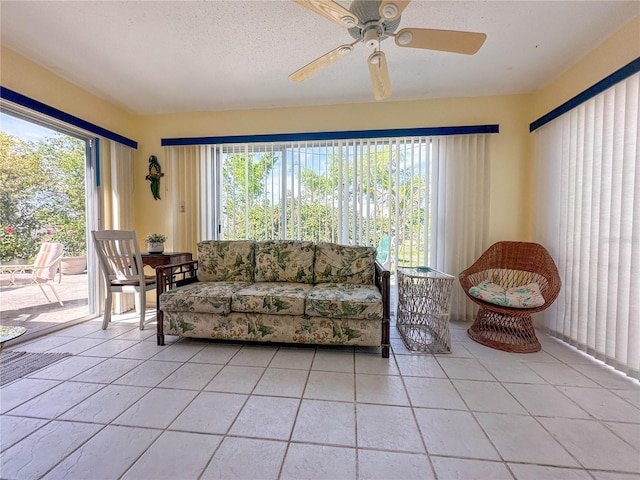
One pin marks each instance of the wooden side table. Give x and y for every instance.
(424, 303)
(165, 258)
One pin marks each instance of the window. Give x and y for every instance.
(344, 191)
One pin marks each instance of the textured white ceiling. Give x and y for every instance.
(180, 56)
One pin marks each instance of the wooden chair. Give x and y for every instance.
(41, 272)
(122, 269)
(510, 264)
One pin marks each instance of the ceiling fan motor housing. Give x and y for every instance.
(368, 14)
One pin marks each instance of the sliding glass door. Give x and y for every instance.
(368, 192)
(47, 195)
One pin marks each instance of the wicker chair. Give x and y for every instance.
(511, 264)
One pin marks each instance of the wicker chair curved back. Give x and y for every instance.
(511, 264)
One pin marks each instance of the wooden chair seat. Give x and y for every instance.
(148, 280)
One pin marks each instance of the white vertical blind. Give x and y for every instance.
(429, 195)
(116, 198)
(587, 191)
(461, 196)
(191, 174)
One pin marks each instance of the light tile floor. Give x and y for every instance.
(123, 408)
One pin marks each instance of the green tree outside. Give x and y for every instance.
(388, 190)
(42, 195)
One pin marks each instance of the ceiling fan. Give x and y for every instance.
(371, 22)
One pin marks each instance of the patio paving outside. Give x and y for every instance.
(28, 307)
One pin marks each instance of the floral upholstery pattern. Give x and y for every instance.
(273, 328)
(226, 261)
(524, 296)
(344, 300)
(279, 291)
(344, 264)
(271, 297)
(203, 297)
(284, 261)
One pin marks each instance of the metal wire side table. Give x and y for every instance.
(424, 303)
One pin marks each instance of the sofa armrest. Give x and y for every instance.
(383, 282)
(176, 275)
(169, 277)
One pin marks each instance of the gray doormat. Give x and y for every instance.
(14, 365)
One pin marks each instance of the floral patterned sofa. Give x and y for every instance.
(277, 291)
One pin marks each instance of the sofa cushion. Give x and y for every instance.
(271, 297)
(202, 297)
(344, 264)
(344, 300)
(226, 261)
(284, 261)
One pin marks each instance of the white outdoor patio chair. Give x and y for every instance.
(41, 272)
(122, 269)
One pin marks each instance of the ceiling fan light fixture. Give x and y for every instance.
(346, 50)
(371, 36)
(348, 21)
(390, 10)
(404, 38)
(374, 59)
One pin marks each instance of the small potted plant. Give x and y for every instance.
(155, 242)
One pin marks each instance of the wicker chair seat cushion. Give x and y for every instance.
(525, 296)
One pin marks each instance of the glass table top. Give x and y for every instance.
(8, 332)
(424, 272)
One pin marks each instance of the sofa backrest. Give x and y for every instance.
(226, 261)
(284, 261)
(344, 264)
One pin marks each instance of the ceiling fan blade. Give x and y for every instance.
(320, 63)
(392, 9)
(331, 11)
(443, 40)
(379, 75)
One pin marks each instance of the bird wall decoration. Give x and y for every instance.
(154, 176)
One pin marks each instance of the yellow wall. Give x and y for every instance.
(512, 148)
(615, 52)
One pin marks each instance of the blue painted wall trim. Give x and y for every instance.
(97, 157)
(341, 135)
(616, 77)
(45, 109)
